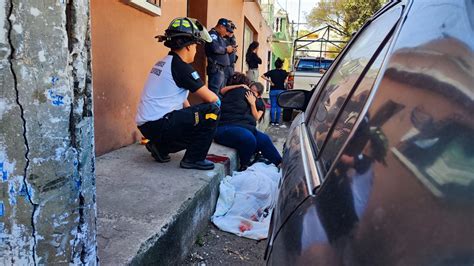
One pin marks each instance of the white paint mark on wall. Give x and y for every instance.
(24, 72)
(18, 28)
(4, 106)
(59, 153)
(41, 56)
(3, 31)
(38, 160)
(21, 240)
(8, 166)
(55, 120)
(35, 11)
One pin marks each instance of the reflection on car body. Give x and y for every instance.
(392, 135)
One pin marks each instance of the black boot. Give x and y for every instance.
(155, 153)
(200, 165)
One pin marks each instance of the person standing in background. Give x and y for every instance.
(277, 78)
(252, 59)
(230, 40)
(217, 53)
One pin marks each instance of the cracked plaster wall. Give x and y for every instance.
(47, 182)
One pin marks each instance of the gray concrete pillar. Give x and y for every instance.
(47, 181)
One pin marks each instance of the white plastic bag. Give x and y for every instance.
(246, 201)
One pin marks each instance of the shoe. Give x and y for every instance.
(200, 165)
(159, 157)
(242, 168)
(277, 124)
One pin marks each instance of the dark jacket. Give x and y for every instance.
(253, 60)
(235, 110)
(233, 55)
(216, 50)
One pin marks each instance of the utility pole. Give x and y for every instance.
(299, 12)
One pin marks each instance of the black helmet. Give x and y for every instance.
(183, 32)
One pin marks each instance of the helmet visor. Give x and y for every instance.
(203, 33)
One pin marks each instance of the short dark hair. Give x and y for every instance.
(238, 78)
(178, 43)
(278, 63)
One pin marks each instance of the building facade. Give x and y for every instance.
(124, 50)
(282, 42)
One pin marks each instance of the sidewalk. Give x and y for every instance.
(151, 213)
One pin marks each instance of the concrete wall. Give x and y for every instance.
(198, 9)
(47, 186)
(124, 50)
(233, 10)
(253, 15)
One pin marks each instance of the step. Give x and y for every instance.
(151, 213)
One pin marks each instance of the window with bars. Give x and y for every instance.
(152, 7)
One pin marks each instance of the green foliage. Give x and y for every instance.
(200, 240)
(303, 33)
(346, 15)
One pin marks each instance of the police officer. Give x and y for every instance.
(164, 114)
(217, 53)
(230, 40)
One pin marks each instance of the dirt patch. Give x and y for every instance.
(215, 247)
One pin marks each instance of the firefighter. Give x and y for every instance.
(217, 53)
(164, 114)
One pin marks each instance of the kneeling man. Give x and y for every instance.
(164, 114)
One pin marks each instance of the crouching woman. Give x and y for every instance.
(237, 125)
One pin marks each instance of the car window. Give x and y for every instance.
(325, 64)
(347, 72)
(313, 64)
(305, 64)
(349, 115)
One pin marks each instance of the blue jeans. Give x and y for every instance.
(275, 110)
(247, 143)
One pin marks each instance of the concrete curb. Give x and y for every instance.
(172, 244)
(154, 217)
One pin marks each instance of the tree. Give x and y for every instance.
(345, 15)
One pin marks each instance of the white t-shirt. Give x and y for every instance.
(168, 85)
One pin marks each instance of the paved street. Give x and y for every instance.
(215, 247)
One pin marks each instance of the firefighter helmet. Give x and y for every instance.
(183, 32)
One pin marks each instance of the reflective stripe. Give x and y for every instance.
(211, 116)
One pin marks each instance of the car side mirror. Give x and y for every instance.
(294, 99)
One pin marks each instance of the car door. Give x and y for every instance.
(303, 171)
(399, 190)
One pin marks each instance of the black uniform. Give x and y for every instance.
(229, 71)
(217, 61)
(163, 121)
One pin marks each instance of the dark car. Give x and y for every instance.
(378, 169)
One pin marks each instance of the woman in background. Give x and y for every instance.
(253, 61)
(277, 78)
